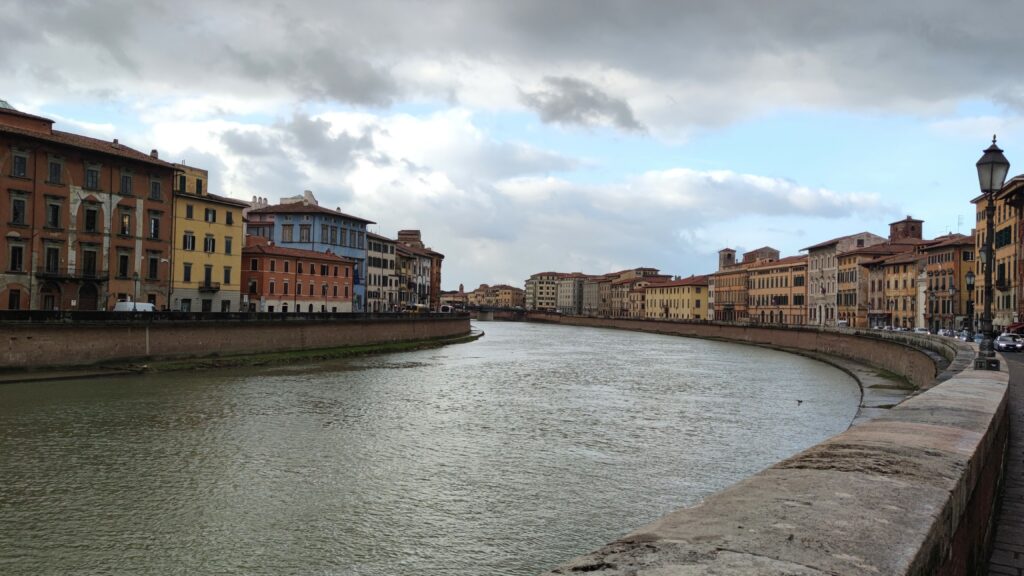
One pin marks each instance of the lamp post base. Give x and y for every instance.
(982, 363)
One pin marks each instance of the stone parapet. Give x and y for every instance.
(909, 492)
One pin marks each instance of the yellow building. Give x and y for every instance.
(947, 260)
(1006, 240)
(898, 283)
(208, 241)
(684, 299)
(777, 291)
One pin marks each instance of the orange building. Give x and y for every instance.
(947, 260)
(291, 280)
(777, 291)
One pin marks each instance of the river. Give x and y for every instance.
(508, 455)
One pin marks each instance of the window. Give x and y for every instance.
(225, 306)
(335, 271)
(186, 274)
(286, 265)
(324, 234)
(154, 190)
(323, 269)
(285, 287)
(199, 186)
(122, 265)
(56, 168)
(53, 214)
(273, 265)
(92, 178)
(14, 300)
(304, 233)
(252, 286)
(154, 226)
(286, 233)
(20, 167)
(16, 262)
(210, 215)
(153, 265)
(126, 224)
(209, 244)
(323, 289)
(207, 305)
(91, 215)
(207, 275)
(298, 267)
(181, 183)
(229, 217)
(186, 304)
(126, 184)
(188, 211)
(335, 290)
(227, 245)
(89, 263)
(310, 288)
(18, 206)
(254, 264)
(188, 241)
(272, 286)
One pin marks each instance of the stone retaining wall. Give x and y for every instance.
(910, 492)
(39, 345)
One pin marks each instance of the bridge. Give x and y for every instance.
(910, 492)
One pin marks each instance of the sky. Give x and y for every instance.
(572, 135)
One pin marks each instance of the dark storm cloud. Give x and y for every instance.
(312, 138)
(573, 101)
(252, 144)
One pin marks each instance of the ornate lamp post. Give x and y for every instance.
(992, 170)
(970, 305)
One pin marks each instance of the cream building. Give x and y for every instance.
(685, 299)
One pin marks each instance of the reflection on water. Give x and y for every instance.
(504, 456)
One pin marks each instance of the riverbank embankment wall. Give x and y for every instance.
(910, 492)
(33, 345)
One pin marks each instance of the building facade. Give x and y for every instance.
(823, 275)
(207, 255)
(83, 222)
(305, 225)
(279, 279)
(541, 291)
(381, 274)
(684, 299)
(945, 296)
(777, 291)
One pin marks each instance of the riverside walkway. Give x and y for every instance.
(1008, 543)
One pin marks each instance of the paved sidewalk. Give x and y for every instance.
(1008, 549)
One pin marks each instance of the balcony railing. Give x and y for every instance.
(71, 273)
(209, 287)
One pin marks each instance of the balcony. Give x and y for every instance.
(209, 287)
(71, 273)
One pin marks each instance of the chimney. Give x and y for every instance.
(115, 143)
(154, 154)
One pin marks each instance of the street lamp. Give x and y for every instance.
(970, 305)
(992, 170)
(135, 296)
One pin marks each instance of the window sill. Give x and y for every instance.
(17, 272)
(18, 225)
(53, 228)
(16, 177)
(88, 189)
(51, 183)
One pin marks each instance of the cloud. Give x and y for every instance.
(574, 101)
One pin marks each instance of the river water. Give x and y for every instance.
(508, 455)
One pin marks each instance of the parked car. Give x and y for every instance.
(920, 331)
(1008, 343)
(130, 306)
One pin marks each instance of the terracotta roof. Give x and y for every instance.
(787, 261)
(6, 108)
(214, 198)
(303, 208)
(691, 281)
(84, 143)
(949, 240)
(379, 237)
(293, 252)
(831, 242)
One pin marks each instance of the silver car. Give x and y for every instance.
(1008, 343)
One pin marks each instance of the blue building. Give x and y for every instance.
(308, 226)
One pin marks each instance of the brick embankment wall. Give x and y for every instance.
(38, 345)
(910, 492)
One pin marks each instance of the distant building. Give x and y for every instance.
(381, 274)
(541, 292)
(777, 291)
(683, 299)
(823, 275)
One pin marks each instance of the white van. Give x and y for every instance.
(130, 306)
